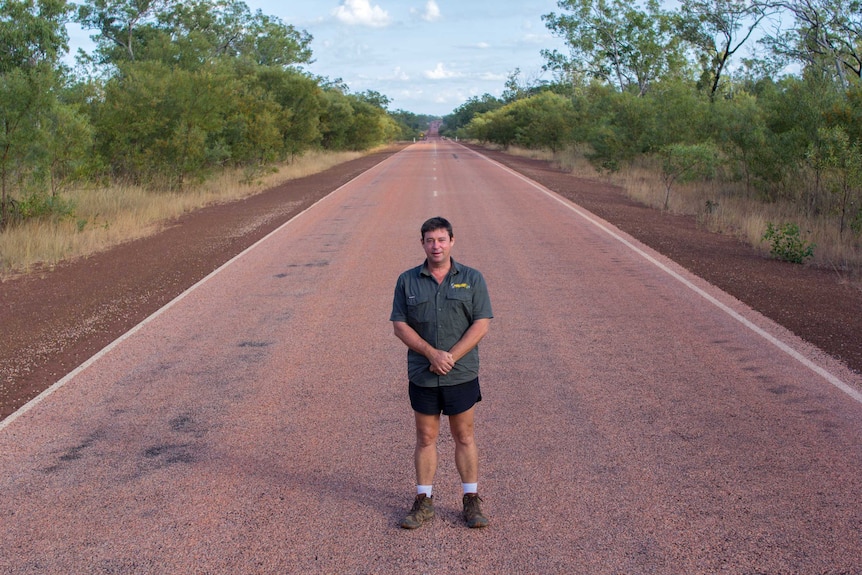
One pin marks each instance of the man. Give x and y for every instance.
(441, 310)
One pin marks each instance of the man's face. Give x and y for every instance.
(437, 245)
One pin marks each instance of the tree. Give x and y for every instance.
(614, 41)
(373, 98)
(271, 42)
(464, 114)
(32, 36)
(217, 83)
(718, 29)
(300, 98)
(254, 126)
(827, 34)
(679, 115)
(739, 128)
(685, 162)
(793, 111)
(843, 161)
(497, 126)
(412, 125)
(515, 89)
(371, 124)
(619, 126)
(66, 149)
(191, 34)
(209, 29)
(335, 119)
(160, 125)
(122, 25)
(542, 121)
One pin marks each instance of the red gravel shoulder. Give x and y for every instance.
(54, 320)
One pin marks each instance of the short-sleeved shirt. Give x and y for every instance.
(441, 314)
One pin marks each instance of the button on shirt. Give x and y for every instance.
(441, 314)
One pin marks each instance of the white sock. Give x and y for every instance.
(426, 489)
(470, 487)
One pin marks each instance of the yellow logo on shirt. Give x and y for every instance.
(456, 286)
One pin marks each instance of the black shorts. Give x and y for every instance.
(450, 399)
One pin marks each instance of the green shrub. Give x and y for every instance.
(36, 205)
(786, 243)
(43, 205)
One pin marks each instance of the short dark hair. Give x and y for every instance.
(437, 223)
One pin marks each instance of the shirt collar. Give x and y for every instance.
(455, 268)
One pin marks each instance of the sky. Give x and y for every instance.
(426, 56)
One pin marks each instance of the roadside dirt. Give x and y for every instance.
(53, 320)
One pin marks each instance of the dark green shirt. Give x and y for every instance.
(441, 314)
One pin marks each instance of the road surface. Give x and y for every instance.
(635, 419)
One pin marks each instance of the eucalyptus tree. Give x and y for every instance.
(840, 160)
(123, 26)
(371, 124)
(464, 114)
(544, 120)
(301, 100)
(213, 29)
(718, 29)
(192, 85)
(825, 34)
(190, 34)
(32, 40)
(336, 118)
(618, 42)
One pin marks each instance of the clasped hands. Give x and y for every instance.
(442, 362)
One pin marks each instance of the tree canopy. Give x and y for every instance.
(176, 90)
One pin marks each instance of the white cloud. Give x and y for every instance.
(440, 73)
(432, 11)
(362, 13)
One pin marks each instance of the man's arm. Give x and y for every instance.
(442, 361)
(471, 338)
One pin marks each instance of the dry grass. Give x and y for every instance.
(108, 216)
(722, 208)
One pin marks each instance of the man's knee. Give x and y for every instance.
(425, 438)
(462, 428)
(427, 430)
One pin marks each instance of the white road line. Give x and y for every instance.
(828, 376)
(69, 376)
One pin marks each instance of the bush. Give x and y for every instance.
(36, 206)
(787, 245)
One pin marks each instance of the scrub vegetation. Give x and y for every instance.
(664, 103)
(179, 102)
(104, 216)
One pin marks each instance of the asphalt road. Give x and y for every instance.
(635, 419)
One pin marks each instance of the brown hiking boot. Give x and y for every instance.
(422, 511)
(472, 513)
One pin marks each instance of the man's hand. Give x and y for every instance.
(442, 362)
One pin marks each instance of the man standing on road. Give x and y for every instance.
(441, 310)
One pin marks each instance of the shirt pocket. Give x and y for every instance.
(460, 302)
(420, 310)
